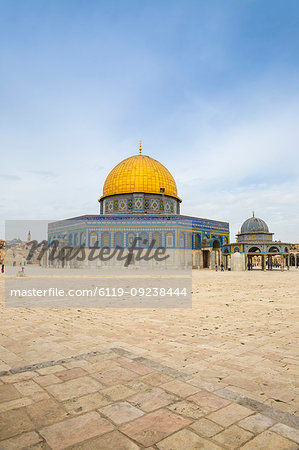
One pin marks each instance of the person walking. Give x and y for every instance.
(2, 268)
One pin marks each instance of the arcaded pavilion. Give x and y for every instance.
(254, 247)
(140, 199)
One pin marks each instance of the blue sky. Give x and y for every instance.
(211, 87)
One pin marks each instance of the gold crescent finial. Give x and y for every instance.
(140, 147)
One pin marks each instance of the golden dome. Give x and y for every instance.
(139, 173)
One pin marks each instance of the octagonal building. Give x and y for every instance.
(255, 248)
(140, 200)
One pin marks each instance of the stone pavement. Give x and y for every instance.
(237, 344)
(113, 399)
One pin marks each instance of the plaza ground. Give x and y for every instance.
(219, 375)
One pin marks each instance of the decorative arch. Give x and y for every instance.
(82, 238)
(105, 241)
(93, 237)
(254, 250)
(273, 249)
(169, 239)
(143, 242)
(118, 239)
(216, 244)
(130, 239)
(197, 241)
(182, 239)
(157, 239)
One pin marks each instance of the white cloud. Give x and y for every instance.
(229, 155)
(251, 164)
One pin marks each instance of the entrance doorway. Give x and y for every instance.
(205, 259)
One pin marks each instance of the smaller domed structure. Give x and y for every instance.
(254, 229)
(254, 225)
(254, 247)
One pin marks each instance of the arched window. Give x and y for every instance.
(70, 239)
(169, 239)
(157, 239)
(118, 239)
(182, 239)
(82, 239)
(197, 241)
(130, 239)
(105, 239)
(93, 239)
(189, 240)
(143, 242)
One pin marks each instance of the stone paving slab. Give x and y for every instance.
(140, 409)
(237, 342)
(254, 354)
